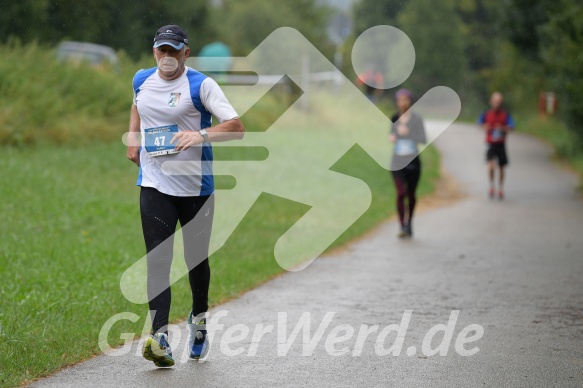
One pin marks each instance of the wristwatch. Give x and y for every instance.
(204, 134)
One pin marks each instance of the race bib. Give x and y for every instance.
(497, 134)
(158, 140)
(405, 147)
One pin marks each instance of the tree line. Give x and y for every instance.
(474, 46)
(130, 25)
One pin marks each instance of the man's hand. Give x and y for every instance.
(186, 139)
(133, 154)
(392, 138)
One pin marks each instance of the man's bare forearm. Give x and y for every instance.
(134, 142)
(227, 130)
(134, 128)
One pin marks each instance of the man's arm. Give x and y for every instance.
(133, 151)
(215, 101)
(509, 124)
(227, 130)
(482, 121)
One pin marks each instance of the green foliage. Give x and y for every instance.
(482, 29)
(370, 13)
(517, 77)
(562, 53)
(128, 25)
(549, 35)
(435, 30)
(44, 100)
(246, 24)
(520, 47)
(524, 19)
(436, 33)
(567, 144)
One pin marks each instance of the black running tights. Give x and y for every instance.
(406, 182)
(160, 214)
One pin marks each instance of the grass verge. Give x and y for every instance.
(567, 145)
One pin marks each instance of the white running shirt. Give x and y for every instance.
(187, 102)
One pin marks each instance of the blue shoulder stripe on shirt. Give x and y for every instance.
(195, 80)
(140, 77)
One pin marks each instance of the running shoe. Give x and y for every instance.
(501, 195)
(491, 192)
(197, 339)
(409, 230)
(157, 349)
(405, 231)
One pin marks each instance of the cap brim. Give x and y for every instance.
(172, 43)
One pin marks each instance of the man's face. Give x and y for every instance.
(169, 51)
(496, 101)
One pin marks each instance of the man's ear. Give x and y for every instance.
(187, 52)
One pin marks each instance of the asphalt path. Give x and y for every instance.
(506, 277)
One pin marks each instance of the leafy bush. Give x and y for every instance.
(43, 100)
(568, 145)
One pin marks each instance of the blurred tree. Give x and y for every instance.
(482, 24)
(523, 21)
(128, 25)
(23, 19)
(243, 25)
(436, 32)
(369, 13)
(149, 15)
(561, 49)
(549, 34)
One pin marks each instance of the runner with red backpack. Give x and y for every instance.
(497, 123)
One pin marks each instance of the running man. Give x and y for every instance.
(496, 122)
(172, 110)
(407, 132)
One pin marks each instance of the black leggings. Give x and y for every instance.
(406, 182)
(160, 214)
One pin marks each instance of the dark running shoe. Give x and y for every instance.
(409, 230)
(405, 231)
